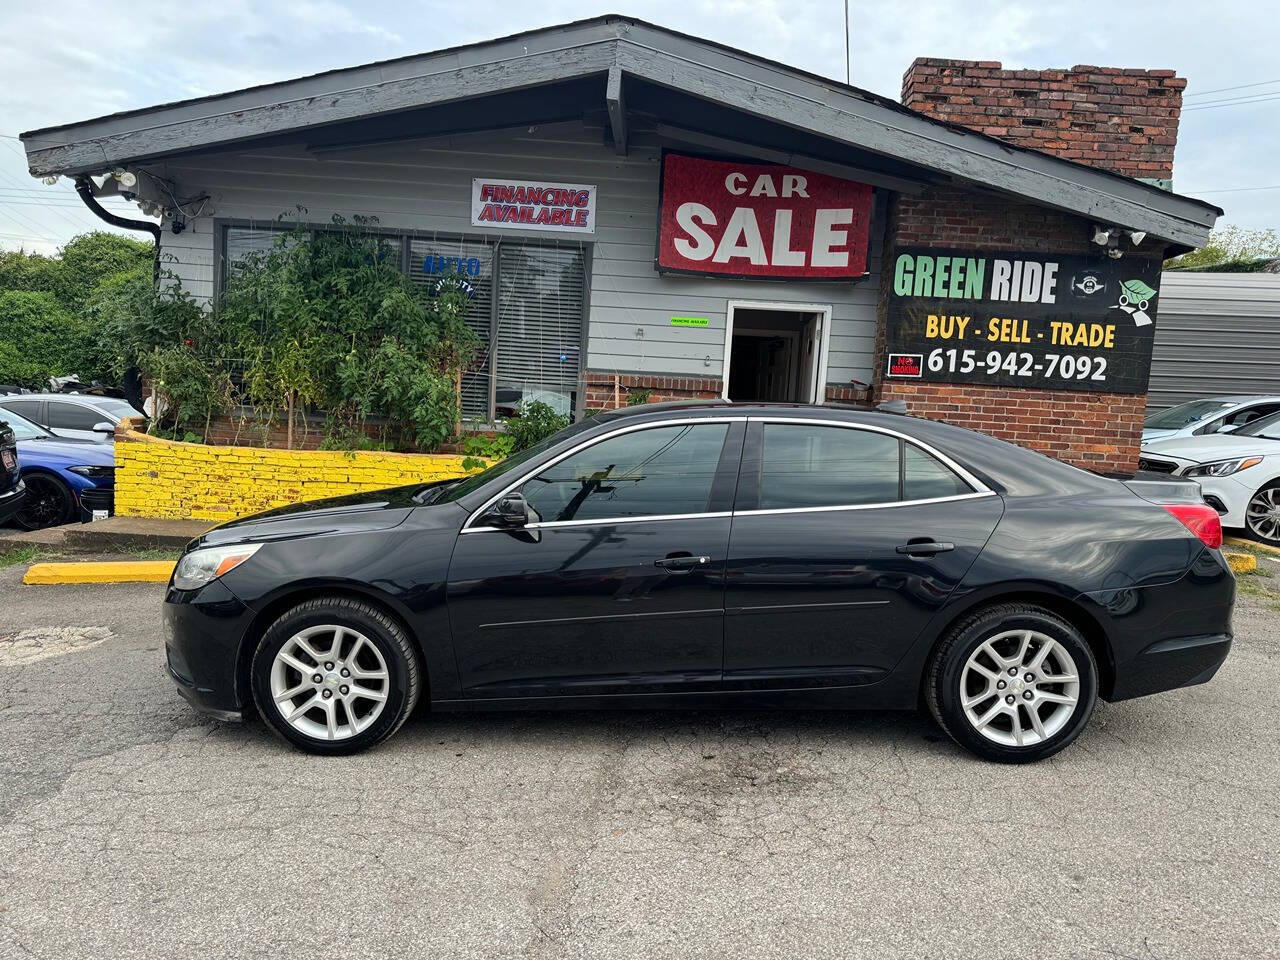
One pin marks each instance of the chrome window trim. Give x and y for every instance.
(980, 489)
(587, 444)
(977, 494)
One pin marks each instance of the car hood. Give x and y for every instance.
(1216, 447)
(69, 452)
(1149, 434)
(356, 512)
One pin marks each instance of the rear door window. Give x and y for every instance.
(806, 465)
(31, 409)
(925, 477)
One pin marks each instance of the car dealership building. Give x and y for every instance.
(640, 213)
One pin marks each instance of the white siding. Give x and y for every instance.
(425, 185)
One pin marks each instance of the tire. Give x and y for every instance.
(374, 651)
(49, 503)
(1259, 527)
(964, 669)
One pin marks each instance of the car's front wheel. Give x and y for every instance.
(49, 503)
(335, 676)
(1013, 683)
(1262, 515)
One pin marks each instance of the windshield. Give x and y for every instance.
(1268, 428)
(23, 429)
(1184, 413)
(460, 490)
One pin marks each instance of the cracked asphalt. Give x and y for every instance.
(130, 827)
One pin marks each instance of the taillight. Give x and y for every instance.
(1201, 519)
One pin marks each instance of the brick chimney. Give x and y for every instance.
(1125, 121)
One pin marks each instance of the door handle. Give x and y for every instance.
(682, 564)
(922, 547)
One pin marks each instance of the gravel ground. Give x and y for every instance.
(129, 827)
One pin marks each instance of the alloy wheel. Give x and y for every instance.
(1263, 514)
(329, 682)
(1019, 688)
(44, 504)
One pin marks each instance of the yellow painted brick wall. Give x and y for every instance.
(179, 481)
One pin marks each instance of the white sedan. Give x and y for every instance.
(1197, 418)
(1238, 473)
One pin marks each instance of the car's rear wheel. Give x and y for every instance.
(1262, 515)
(1013, 683)
(49, 503)
(335, 676)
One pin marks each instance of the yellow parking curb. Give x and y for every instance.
(129, 571)
(1251, 545)
(1241, 562)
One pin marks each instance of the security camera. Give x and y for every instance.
(1115, 253)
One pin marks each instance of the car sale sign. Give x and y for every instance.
(761, 221)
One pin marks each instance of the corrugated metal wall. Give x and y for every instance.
(1216, 333)
(426, 185)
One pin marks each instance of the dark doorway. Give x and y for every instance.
(774, 354)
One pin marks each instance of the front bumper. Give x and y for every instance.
(11, 501)
(204, 630)
(1229, 496)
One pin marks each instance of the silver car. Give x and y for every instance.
(76, 415)
(1197, 418)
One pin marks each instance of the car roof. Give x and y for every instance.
(73, 397)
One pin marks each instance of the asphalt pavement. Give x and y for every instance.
(130, 827)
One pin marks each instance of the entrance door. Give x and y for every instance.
(616, 585)
(775, 353)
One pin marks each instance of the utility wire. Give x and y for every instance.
(1217, 104)
(1242, 86)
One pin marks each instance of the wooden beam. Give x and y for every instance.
(613, 99)
(768, 154)
(158, 137)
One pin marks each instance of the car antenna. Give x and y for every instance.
(892, 406)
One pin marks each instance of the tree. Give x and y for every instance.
(39, 339)
(1230, 245)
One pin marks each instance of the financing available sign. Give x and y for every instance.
(760, 221)
(533, 205)
(1016, 319)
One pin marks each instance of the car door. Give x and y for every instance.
(616, 583)
(846, 540)
(76, 420)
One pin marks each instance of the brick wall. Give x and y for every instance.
(1097, 431)
(1121, 120)
(179, 481)
(601, 391)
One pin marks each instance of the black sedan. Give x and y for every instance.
(12, 489)
(713, 554)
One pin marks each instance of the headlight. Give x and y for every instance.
(94, 473)
(199, 567)
(1221, 468)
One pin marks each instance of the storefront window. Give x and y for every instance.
(537, 312)
(430, 262)
(541, 291)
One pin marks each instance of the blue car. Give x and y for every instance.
(66, 479)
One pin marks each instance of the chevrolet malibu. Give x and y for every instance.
(714, 555)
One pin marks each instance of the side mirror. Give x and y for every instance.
(1227, 428)
(510, 512)
(104, 427)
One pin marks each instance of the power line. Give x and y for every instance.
(1234, 190)
(1216, 104)
(1242, 86)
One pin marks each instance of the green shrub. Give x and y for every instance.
(39, 339)
(536, 422)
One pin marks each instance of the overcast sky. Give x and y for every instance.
(68, 61)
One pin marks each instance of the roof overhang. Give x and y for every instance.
(615, 48)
